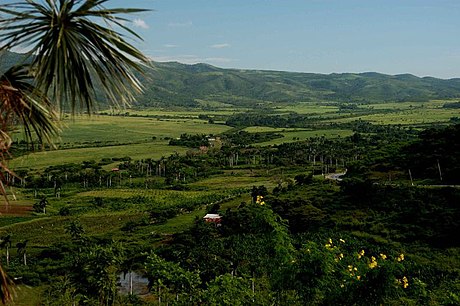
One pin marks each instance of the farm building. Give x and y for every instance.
(212, 218)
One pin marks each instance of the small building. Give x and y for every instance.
(212, 218)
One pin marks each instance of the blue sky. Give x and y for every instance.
(390, 36)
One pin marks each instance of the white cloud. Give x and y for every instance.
(140, 23)
(220, 46)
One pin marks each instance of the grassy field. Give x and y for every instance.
(84, 131)
(97, 137)
(132, 129)
(308, 108)
(40, 160)
(127, 193)
(193, 113)
(296, 135)
(404, 113)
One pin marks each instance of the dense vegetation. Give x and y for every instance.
(287, 235)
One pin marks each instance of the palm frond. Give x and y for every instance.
(6, 285)
(76, 49)
(21, 102)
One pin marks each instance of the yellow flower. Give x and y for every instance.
(342, 285)
(358, 277)
(372, 264)
(340, 256)
(350, 268)
(360, 254)
(383, 256)
(259, 200)
(401, 257)
(356, 269)
(405, 282)
(341, 240)
(330, 240)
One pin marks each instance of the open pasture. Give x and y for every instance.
(296, 135)
(119, 129)
(404, 113)
(189, 113)
(107, 130)
(308, 108)
(94, 138)
(149, 193)
(406, 117)
(233, 180)
(40, 160)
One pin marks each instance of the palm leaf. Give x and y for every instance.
(76, 49)
(21, 101)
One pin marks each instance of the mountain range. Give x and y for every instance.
(176, 84)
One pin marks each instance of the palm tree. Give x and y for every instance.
(21, 246)
(21, 101)
(75, 47)
(5, 242)
(40, 206)
(5, 284)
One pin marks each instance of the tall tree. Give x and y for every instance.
(21, 246)
(75, 47)
(5, 242)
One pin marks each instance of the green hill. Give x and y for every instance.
(179, 83)
(174, 83)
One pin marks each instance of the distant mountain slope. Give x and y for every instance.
(174, 83)
(177, 83)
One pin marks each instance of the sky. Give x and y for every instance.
(421, 37)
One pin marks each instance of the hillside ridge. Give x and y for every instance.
(178, 84)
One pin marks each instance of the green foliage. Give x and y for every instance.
(191, 141)
(75, 229)
(171, 275)
(75, 35)
(228, 290)
(96, 272)
(40, 206)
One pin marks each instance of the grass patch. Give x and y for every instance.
(296, 135)
(41, 160)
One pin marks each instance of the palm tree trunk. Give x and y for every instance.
(131, 283)
(159, 295)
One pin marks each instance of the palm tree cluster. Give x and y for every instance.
(74, 47)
